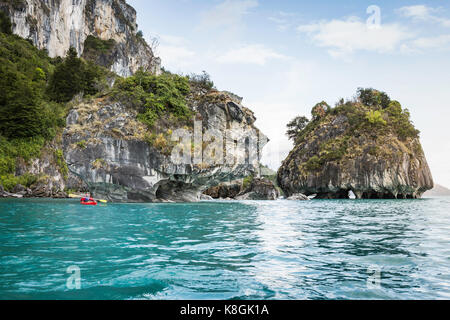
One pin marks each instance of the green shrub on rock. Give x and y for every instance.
(314, 163)
(401, 121)
(375, 117)
(155, 95)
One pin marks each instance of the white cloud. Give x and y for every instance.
(172, 40)
(175, 57)
(228, 13)
(286, 14)
(174, 52)
(250, 54)
(283, 20)
(343, 37)
(424, 13)
(438, 42)
(418, 11)
(282, 24)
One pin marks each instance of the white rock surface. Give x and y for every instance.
(58, 25)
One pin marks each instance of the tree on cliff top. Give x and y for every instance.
(296, 126)
(373, 98)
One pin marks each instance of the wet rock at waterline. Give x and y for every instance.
(259, 189)
(297, 197)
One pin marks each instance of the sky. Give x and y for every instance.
(285, 56)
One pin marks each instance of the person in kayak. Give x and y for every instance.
(88, 200)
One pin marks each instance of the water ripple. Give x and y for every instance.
(324, 249)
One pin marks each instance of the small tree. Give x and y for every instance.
(373, 98)
(384, 100)
(73, 76)
(296, 126)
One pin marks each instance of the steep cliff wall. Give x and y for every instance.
(56, 25)
(372, 150)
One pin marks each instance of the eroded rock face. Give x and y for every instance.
(50, 169)
(333, 160)
(58, 25)
(105, 148)
(225, 190)
(259, 189)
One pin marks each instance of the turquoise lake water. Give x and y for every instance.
(323, 249)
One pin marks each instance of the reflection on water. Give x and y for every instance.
(323, 249)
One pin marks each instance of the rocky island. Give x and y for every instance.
(367, 145)
(101, 116)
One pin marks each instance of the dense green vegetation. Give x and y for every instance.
(373, 98)
(73, 76)
(375, 117)
(26, 111)
(5, 23)
(372, 114)
(33, 89)
(155, 97)
(27, 115)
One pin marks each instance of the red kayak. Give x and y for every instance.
(90, 202)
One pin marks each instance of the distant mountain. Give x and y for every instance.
(437, 191)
